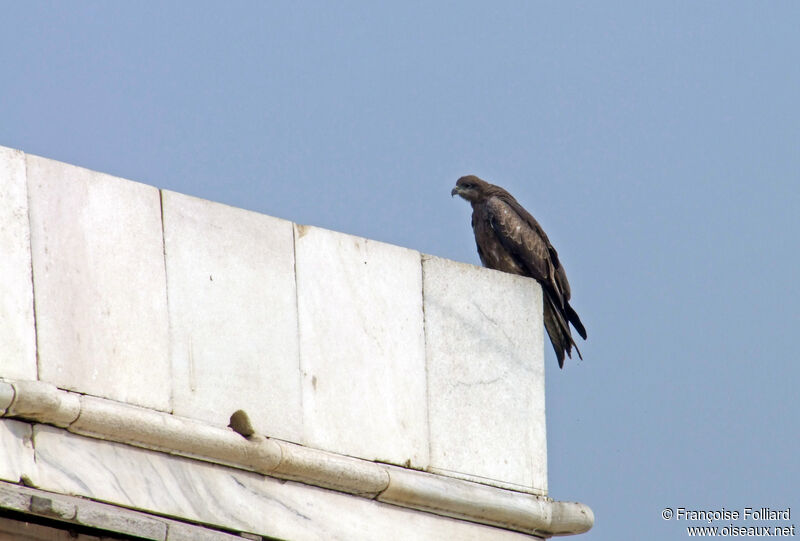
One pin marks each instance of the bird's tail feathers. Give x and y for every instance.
(558, 331)
(572, 317)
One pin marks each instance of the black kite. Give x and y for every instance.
(509, 239)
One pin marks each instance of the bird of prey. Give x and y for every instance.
(509, 239)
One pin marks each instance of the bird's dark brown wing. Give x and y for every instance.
(528, 245)
(560, 276)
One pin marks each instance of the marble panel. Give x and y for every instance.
(98, 270)
(16, 458)
(17, 332)
(485, 353)
(361, 347)
(233, 315)
(227, 498)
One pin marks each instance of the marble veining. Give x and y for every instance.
(16, 458)
(170, 485)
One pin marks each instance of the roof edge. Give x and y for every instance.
(159, 431)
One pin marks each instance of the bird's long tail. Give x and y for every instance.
(558, 328)
(572, 317)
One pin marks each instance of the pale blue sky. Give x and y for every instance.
(658, 145)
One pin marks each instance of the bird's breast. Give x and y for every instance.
(493, 254)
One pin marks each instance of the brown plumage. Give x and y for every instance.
(509, 239)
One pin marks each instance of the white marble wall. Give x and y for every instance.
(99, 282)
(17, 335)
(67, 512)
(233, 315)
(332, 341)
(362, 347)
(485, 375)
(241, 501)
(16, 450)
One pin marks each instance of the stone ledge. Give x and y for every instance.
(485, 504)
(83, 512)
(113, 421)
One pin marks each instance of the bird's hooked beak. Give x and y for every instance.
(455, 191)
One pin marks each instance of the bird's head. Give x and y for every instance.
(469, 187)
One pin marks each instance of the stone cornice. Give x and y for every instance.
(105, 517)
(114, 421)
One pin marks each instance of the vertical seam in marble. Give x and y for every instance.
(297, 337)
(171, 404)
(425, 354)
(30, 257)
(540, 296)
